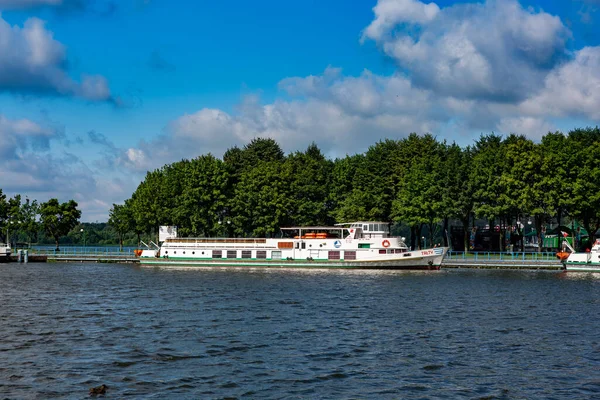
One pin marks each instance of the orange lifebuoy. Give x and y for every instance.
(385, 243)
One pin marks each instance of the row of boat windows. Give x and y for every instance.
(275, 254)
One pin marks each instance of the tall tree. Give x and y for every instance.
(525, 190)
(58, 219)
(487, 167)
(585, 202)
(310, 186)
(344, 208)
(457, 189)
(201, 209)
(29, 219)
(555, 172)
(263, 200)
(419, 199)
(120, 218)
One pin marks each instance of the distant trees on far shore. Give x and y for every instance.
(28, 218)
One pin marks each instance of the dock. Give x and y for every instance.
(75, 255)
(497, 260)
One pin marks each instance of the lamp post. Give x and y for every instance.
(83, 233)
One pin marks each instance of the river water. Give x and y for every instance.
(160, 333)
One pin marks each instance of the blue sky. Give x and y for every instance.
(95, 93)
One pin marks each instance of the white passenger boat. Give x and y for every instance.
(361, 245)
(584, 261)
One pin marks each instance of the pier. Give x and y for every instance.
(76, 254)
(498, 260)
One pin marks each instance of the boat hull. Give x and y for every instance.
(582, 267)
(417, 263)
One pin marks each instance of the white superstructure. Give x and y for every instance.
(585, 261)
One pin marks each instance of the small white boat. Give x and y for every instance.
(5, 251)
(586, 261)
(360, 245)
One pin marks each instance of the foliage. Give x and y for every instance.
(57, 219)
(417, 183)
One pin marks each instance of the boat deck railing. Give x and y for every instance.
(82, 251)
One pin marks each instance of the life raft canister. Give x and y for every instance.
(385, 243)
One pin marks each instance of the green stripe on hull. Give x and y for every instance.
(290, 264)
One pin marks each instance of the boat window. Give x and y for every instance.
(303, 245)
(231, 254)
(364, 245)
(276, 255)
(382, 251)
(365, 228)
(261, 254)
(217, 254)
(371, 227)
(333, 255)
(349, 255)
(399, 250)
(246, 253)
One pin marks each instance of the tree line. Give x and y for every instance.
(28, 218)
(417, 181)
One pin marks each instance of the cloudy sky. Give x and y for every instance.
(93, 93)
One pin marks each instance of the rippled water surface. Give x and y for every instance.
(159, 333)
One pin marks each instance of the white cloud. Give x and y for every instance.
(341, 114)
(534, 128)
(572, 89)
(495, 50)
(32, 61)
(20, 136)
(33, 163)
(389, 13)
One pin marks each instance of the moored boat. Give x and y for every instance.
(5, 252)
(588, 261)
(359, 245)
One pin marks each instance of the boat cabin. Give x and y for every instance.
(367, 230)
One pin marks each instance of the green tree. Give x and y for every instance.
(585, 178)
(29, 219)
(58, 219)
(487, 168)
(456, 189)
(342, 176)
(525, 190)
(309, 186)
(419, 199)
(555, 172)
(202, 206)
(263, 199)
(120, 218)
